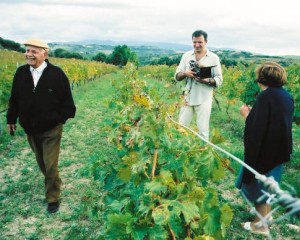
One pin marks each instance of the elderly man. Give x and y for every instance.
(41, 99)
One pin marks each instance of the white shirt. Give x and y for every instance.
(197, 93)
(37, 72)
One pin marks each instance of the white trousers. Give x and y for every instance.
(202, 117)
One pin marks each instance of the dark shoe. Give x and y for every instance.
(53, 207)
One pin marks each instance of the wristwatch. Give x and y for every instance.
(209, 81)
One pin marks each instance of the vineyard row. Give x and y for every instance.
(238, 85)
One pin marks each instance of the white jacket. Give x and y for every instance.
(197, 93)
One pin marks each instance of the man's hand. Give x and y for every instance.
(190, 74)
(182, 75)
(207, 81)
(11, 128)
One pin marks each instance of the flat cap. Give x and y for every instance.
(36, 43)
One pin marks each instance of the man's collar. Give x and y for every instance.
(40, 68)
(207, 52)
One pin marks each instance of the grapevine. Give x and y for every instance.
(161, 185)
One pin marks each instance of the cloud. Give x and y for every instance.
(76, 3)
(260, 26)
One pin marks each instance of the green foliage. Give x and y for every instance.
(251, 88)
(229, 62)
(121, 55)
(11, 45)
(100, 57)
(239, 85)
(159, 186)
(62, 53)
(293, 86)
(166, 60)
(162, 73)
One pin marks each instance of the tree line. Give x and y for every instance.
(11, 45)
(119, 57)
(122, 54)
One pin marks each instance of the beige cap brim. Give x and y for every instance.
(36, 43)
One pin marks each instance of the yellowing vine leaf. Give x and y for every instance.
(142, 100)
(183, 131)
(205, 237)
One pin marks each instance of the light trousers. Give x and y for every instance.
(202, 113)
(46, 147)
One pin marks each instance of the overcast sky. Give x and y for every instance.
(260, 26)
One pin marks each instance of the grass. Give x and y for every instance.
(22, 206)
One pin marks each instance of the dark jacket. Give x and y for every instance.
(40, 108)
(268, 131)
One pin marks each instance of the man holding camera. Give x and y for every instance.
(198, 93)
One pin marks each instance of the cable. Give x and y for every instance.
(283, 198)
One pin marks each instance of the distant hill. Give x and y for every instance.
(149, 51)
(145, 51)
(162, 45)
